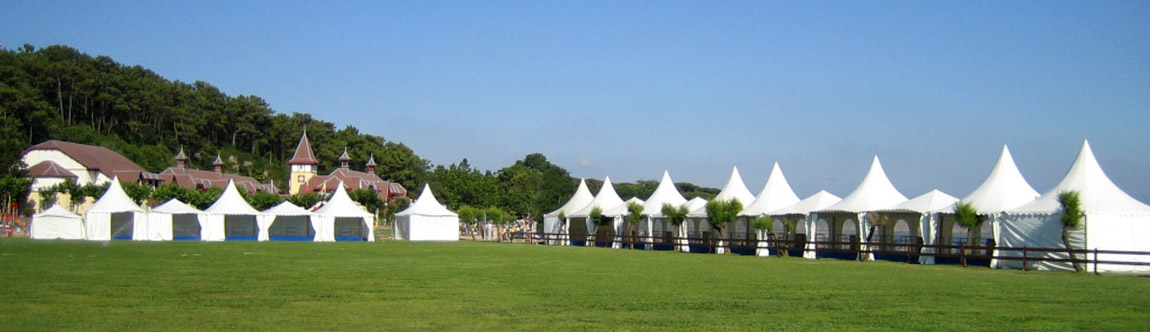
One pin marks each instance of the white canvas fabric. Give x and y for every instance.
(341, 206)
(665, 193)
(282, 211)
(582, 197)
(427, 220)
(607, 200)
(875, 192)
(776, 194)
(56, 223)
(160, 219)
(926, 207)
(1113, 221)
(734, 189)
(230, 203)
(803, 209)
(98, 218)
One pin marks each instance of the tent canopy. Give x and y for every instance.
(341, 205)
(287, 209)
(231, 203)
(734, 189)
(607, 200)
(175, 206)
(1098, 192)
(818, 201)
(581, 198)
(115, 200)
(1003, 189)
(931, 201)
(665, 193)
(875, 192)
(427, 205)
(776, 194)
(57, 223)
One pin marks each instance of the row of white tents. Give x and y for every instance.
(116, 217)
(1017, 215)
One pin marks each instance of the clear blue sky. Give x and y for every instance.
(628, 89)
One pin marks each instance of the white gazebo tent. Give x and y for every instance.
(342, 220)
(735, 189)
(116, 217)
(230, 218)
(57, 223)
(845, 218)
(1113, 221)
(552, 224)
(654, 222)
(427, 220)
(1004, 189)
(802, 211)
(174, 220)
(286, 222)
(579, 223)
(776, 194)
(909, 222)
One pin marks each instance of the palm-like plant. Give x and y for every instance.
(676, 216)
(634, 215)
(719, 214)
(1072, 218)
(967, 216)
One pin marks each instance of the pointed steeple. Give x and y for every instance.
(344, 159)
(181, 159)
(371, 164)
(218, 164)
(303, 153)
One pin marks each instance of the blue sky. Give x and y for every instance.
(628, 89)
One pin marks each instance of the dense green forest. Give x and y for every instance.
(58, 92)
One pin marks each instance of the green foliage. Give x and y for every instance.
(720, 212)
(967, 216)
(304, 200)
(14, 189)
(1072, 214)
(137, 192)
(762, 223)
(47, 199)
(467, 214)
(675, 215)
(262, 200)
(369, 198)
(634, 212)
(596, 217)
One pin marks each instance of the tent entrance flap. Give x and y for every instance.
(185, 227)
(240, 228)
(350, 229)
(122, 224)
(291, 228)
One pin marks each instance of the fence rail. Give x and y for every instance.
(910, 250)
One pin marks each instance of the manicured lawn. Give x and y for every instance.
(50, 285)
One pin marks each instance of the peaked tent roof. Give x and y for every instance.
(115, 200)
(175, 206)
(303, 154)
(735, 188)
(1098, 192)
(56, 211)
(875, 192)
(581, 198)
(230, 202)
(287, 209)
(776, 194)
(818, 201)
(1003, 189)
(696, 204)
(933, 200)
(427, 205)
(665, 193)
(607, 200)
(341, 205)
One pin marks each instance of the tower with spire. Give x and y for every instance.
(303, 166)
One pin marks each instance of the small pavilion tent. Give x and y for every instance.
(625, 228)
(845, 219)
(735, 189)
(654, 222)
(427, 220)
(552, 224)
(1113, 221)
(230, 218)
(174, 220)
(286, 222)
(909, 222)
(116, 217)
(57, 223)
(342, 220)
(776, 194)
(1004, 188)
(801, 212)
(579, 224)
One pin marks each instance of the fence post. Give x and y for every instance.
(1025, 259)
(962, 254)
(1095, 260)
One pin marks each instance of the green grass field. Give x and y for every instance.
(49, 285)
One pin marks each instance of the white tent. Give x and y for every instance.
(286, 222)
(342, 220)
(116, 217)
(551, 221)
(802, 210)
(426, 220)
(230, 218)
(1004, 189)
(913, 218)
(875, 192)
(1113, 221)
(174, 220)
(654, 223)
(776, 194)
(57, 223)
(613, 208)
(735, 189)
